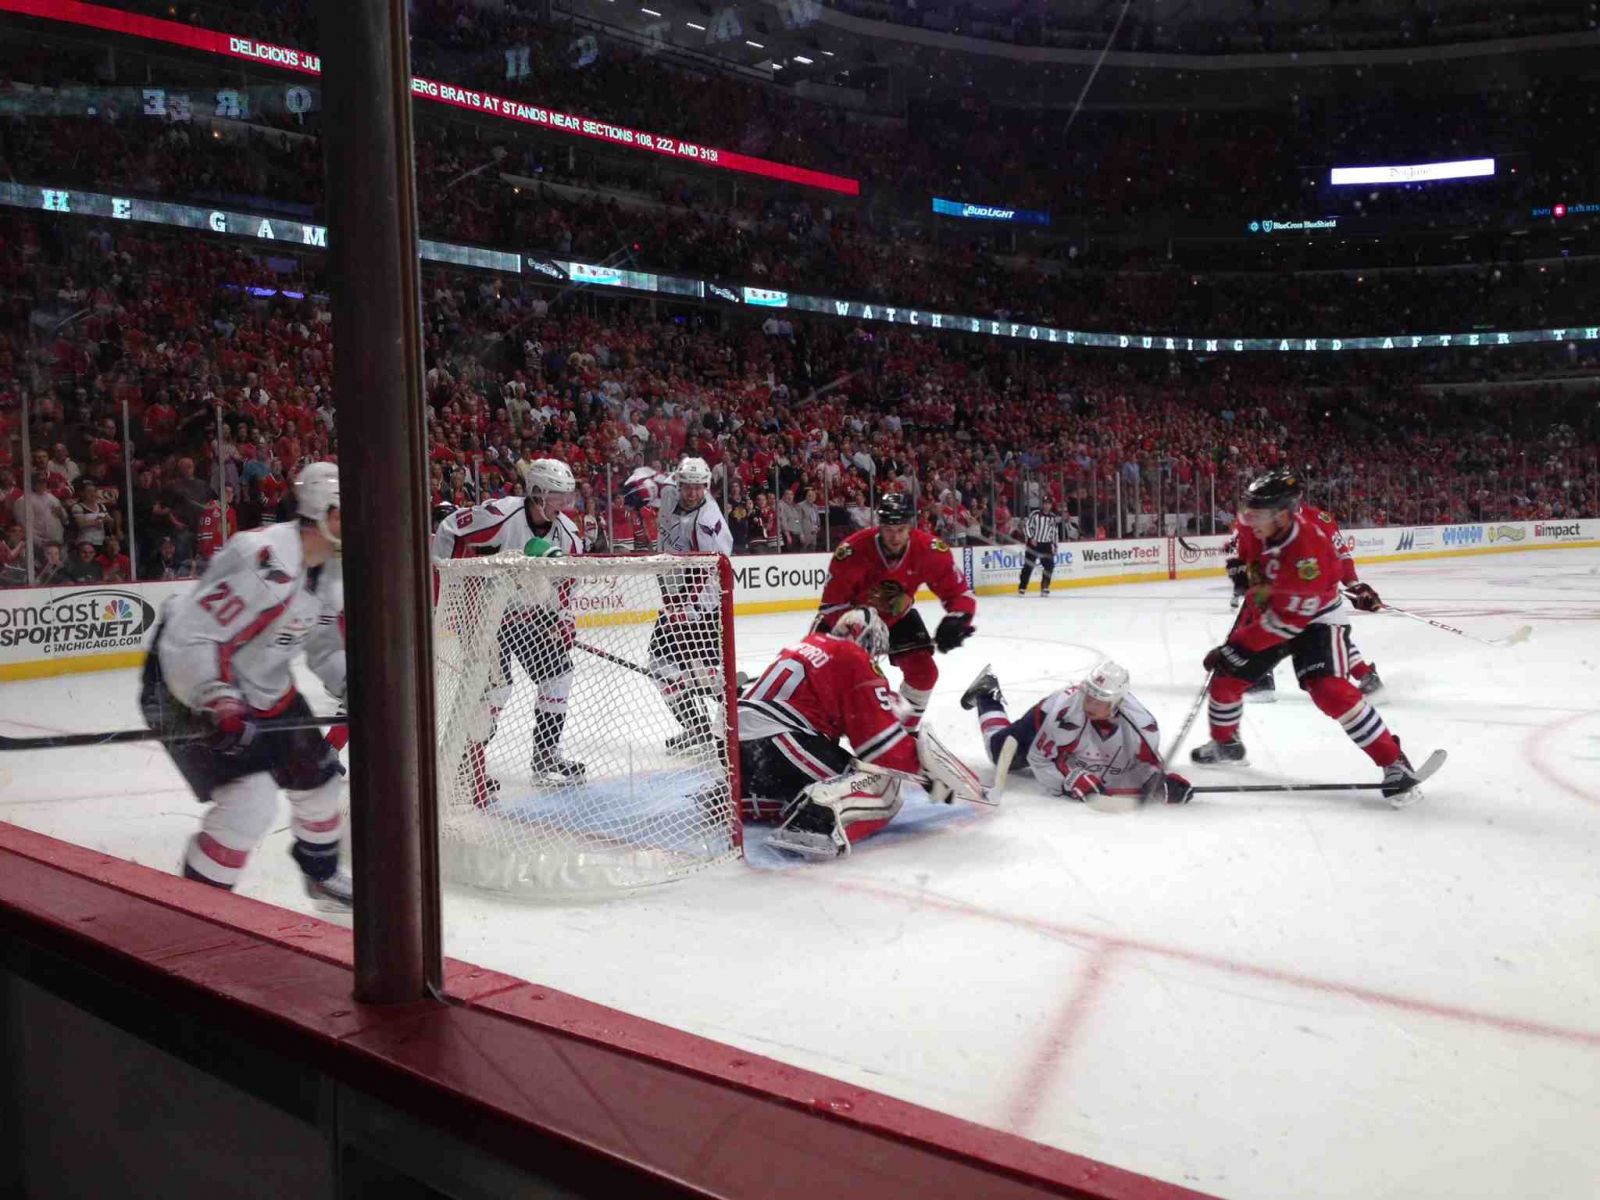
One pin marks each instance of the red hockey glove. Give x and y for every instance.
(1082, 784)
(233, 724)
(1363, 597)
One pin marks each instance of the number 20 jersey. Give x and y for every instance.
(237, 630)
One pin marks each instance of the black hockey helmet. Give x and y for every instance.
(1279, 489)
(895, 508)
(441, 512)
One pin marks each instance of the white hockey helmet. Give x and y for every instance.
(1108, 683)
(692, 471)
(316, 494)
(865, 628)
(552, 479)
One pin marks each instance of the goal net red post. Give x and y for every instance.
(587, 721)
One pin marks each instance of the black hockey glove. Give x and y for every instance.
(953, 630)
(1238, 573)
(1226, 657)
(1363, 597)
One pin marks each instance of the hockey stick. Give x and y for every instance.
(57, 741)
(1432, 764)
(739, 678)
(1521, 634)
(1002, 768)
(1127, 802)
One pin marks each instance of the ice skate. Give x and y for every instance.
(811, 830)
(335, 894)
(690, 741)
(1215, 753)
(1262, 691)
(985, 685)
(550, 767)
(1369, 684)
(1400, 782)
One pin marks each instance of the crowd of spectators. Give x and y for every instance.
(228, 392)
(803, 244)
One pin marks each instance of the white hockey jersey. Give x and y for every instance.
(1124, 752)
(499, 525)
(237, 630)
(699, 530)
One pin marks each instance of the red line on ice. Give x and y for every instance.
(1088, 981)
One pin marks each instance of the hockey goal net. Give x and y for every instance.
(585, 715)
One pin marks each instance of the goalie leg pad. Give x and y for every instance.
(946, 773)
(829, 817)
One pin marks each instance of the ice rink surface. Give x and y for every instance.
(1259, 996)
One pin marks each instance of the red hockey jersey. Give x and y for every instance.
(828, 686)
(1248, 543)
(1299, 586)
(859, 574)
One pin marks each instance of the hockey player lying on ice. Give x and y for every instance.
(1091, 739)
(792, 766)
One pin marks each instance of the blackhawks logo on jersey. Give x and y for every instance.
(890, 598)
(1307, 569)
(940, 545)
(844, 551)
(1325, 518)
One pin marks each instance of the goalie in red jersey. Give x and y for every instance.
(882, 569)
(1361, 595)
(1293, 609)
(791, 762)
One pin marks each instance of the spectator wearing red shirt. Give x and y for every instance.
(13, 556)
(160, 421)
(114, 567)
(273, 487)
(10, 493)
(217, 524)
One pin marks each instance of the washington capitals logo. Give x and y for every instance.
(271, 567)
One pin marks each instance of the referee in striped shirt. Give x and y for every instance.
(1041, 530)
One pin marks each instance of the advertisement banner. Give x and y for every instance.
(49, 631)
(1199, 554)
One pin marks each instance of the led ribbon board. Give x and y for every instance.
(94, 16)
(291, 234)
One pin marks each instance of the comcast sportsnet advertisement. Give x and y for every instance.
(76, 622)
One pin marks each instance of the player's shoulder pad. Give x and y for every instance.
(1138, 714)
